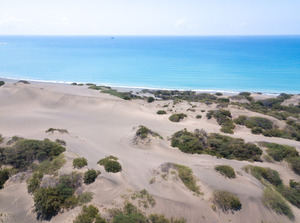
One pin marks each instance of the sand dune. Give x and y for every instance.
(101, 125)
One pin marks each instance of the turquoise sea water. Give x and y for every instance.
(265, 64)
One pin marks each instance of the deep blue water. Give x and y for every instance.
(265, 64)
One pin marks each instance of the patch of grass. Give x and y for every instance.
(295, 164)
(279, 152)
(225, 170)
(50, 166)
(110, 164)
(79, 162)
(89, 214)
(144, 198)
(265, 174)
(186, 175)
(90, 176)
(227, 201)
(273, 200)
(216, 145)
(161, 112)
(177, 117)
(291, 192)
(143, 132)
(52, 130)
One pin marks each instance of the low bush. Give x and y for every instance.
(150, 99)
(34, 182)
(279, 152)
(90, 176)
(254, 122)
(110, 164)
(61, 142)
(52, 130)
(50, 200)
(198, 116)
(50, 166)
(161, 112)
(227, 201)
(218, 94)
(265, 174)
(143, 132)
(186, 175)
(25, 151)
(273, 200)
(177, 117)
(89, 214)
(2, 83)
(225, 170)
(223, 118)
(79, 162)
(4, 176)
(216, 145)
(23, 82)
(155, 218)
(85, 197)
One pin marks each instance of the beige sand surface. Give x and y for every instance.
(101, 125)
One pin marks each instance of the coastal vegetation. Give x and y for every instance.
(198, 116)
(264, 175)
(110, 164)
(224, 119)
(109, 90)
(150, 99)
(4, 175)
(177, 117)
(161, 112)
(225, 170)
(79, 162)
(90, 176)
(89, 214)
(2, 83)
(226, 201)
(53, 130)
(143, 132)
(23, 82)
(215, 144)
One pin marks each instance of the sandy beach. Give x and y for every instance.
(100, 124)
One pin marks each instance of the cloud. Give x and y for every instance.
(182, 22)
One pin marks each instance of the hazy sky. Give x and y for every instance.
(151, 17)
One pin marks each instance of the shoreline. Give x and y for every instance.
(139, 88)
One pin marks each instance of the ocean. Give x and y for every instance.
(268, 64)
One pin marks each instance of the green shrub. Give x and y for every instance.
(161, 112)
(89, 214)
(257, 130)
(218, 94)
(198, 116)
(143, 132)
(84, 198)
(273, 200)
(61, 142)
(225, 170)
(34, 182)
(150, 99)
(223, 118)
(227, 201)
(50, 166)
(279, 152)
(4, 176)
(264, 173)
(25, 151)
(23, 82)
(52, 130)
(79, 162)
(110, 164)
(216, 145)
(90, 176)
(186, 175)
(177, 117)
(2, 83)
(295, 164)
(49, 201)
(155, 218)
(246, 94)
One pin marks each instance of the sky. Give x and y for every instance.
(149, 17)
